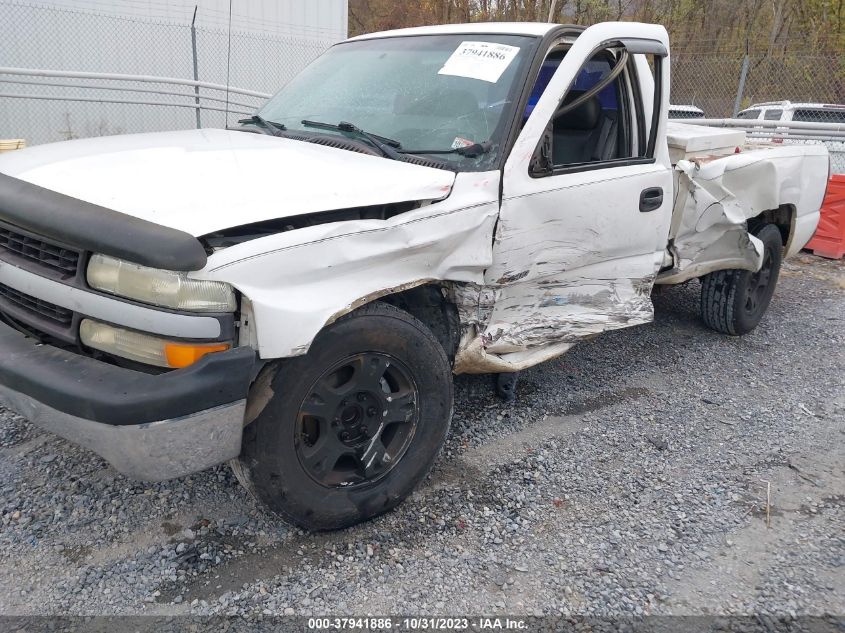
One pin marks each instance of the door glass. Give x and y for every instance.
(596, 130)
(592, 131)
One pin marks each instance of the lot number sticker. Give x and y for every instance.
(480, 60)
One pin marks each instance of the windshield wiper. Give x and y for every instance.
(272, 127)
(387, 146)
(470, 151)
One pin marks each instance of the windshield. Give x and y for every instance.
(429, 93)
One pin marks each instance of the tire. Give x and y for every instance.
(313, 455)
(734, 301)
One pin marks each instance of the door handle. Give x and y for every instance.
(651, 199)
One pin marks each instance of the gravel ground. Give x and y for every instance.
(630, 477)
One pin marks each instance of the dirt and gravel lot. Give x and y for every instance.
(630, 477)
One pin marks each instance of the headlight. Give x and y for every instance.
(143, 348)
(165, 288)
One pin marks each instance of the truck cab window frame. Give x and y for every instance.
(635, 142)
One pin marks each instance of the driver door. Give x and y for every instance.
(587, 198)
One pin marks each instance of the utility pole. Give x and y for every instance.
(740, 91)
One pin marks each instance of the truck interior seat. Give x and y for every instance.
(587, 133)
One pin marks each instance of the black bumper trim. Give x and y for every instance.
(87, 388)
(94, 228)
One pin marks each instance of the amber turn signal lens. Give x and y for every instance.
(144, 348)
(183, 355)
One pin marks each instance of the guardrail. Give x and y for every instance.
(793, 130)
(831, 135)
(196, 100)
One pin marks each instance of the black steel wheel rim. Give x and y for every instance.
(758, 285)
(357, 421)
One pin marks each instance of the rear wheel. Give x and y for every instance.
(354, 425)
(734, 301)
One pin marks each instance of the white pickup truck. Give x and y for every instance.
(295, 294)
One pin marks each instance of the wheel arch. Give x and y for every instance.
(783, 218)
(425, 300)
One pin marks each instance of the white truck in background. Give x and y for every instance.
(790, 113)
(296, 293)
(793, 111)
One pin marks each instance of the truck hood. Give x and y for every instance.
(202, 181)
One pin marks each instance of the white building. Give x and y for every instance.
(271, 40)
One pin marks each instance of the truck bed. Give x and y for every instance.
(721, 182)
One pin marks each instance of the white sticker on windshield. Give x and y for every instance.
(480, 60)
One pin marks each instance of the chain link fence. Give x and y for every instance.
(796, 88)
(43, 109)
(725, 86)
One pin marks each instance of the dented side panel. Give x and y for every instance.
(575, 261)
(717, 196)
(573, 255)
(299, 281)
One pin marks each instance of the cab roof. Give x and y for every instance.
(534, 29)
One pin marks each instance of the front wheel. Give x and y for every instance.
(734, 301)
(354, 425)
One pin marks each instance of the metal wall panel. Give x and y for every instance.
(271, 42)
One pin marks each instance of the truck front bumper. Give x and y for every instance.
(149, 427)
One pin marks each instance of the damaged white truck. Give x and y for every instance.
(295, 294)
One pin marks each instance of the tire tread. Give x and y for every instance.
(718, 292)
(719, 304)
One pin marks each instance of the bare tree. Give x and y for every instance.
(773, 27)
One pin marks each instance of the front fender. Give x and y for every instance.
(299, 281)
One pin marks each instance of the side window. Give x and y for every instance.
(748, 114)
(819, 116)
(600, 121)
(547, 70)
(773, 115)
(596, 129)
